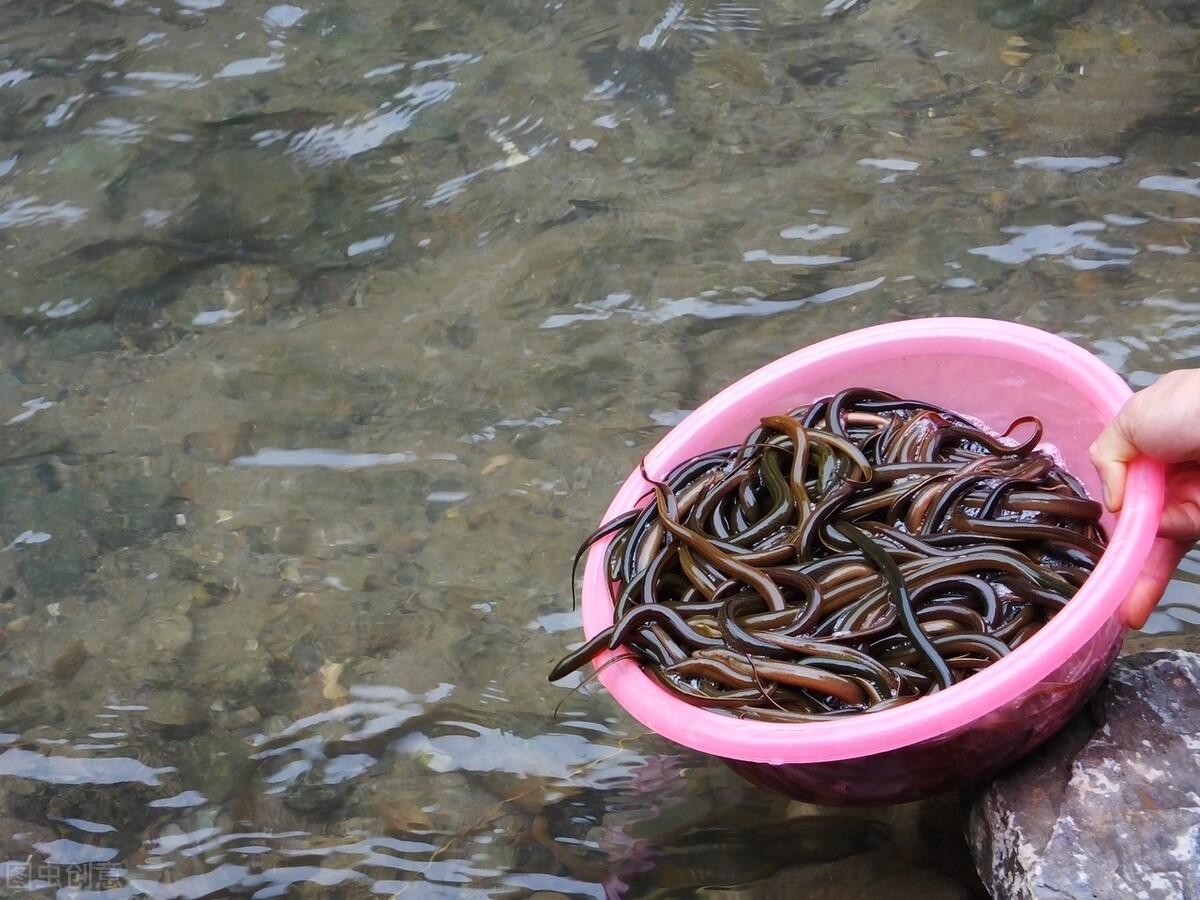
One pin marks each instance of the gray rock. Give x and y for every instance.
(1111, 806)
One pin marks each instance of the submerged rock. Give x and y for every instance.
(1108, 808)
(240, 196)
(167, 634)
(310, 795)
(69, 661)
(59, 566)
(137, 509)
(31, 806)
(865, 875)
(1175, 10)
(176, 714)
(1017, 13)
(222, 294)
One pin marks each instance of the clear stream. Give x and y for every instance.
(327, 331)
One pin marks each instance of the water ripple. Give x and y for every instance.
(326, 144)
(1039, 241)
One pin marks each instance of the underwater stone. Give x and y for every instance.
(176, 714)
(866, 875)
(70, 661)
(1015, 13)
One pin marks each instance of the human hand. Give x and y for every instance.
(1163, 422)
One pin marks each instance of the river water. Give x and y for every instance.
(328, 330)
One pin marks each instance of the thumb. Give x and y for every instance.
(1148, 589)
(1110, 454)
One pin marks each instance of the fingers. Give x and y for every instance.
(1148, 589)
(1180, 521)
(1110, 454)
(1181, 509)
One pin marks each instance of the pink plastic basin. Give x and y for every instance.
(994, 371)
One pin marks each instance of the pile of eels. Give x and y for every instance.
(853, 555)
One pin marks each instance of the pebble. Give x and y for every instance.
(243, 718)
(170, 633)
(496, 463)
(330, 689)
(301, 570)
(226, 441)
(69, 662)
(176, 714)
(14, 690)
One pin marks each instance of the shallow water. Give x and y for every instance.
(329, 329)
